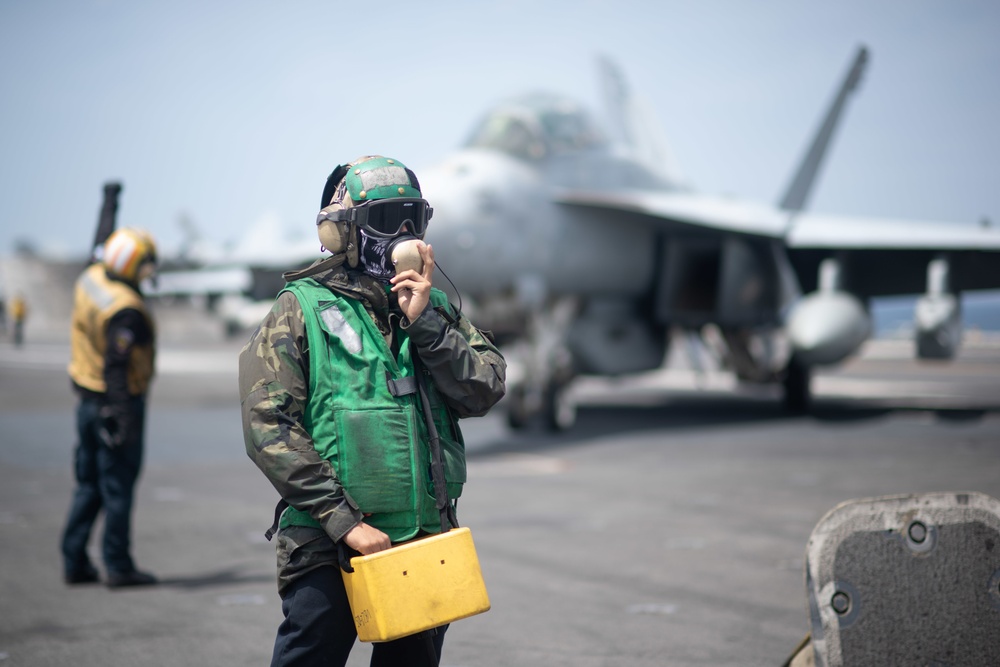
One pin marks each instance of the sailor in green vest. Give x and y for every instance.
(332, 413)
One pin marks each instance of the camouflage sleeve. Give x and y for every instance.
(274, 386)
(466, 367)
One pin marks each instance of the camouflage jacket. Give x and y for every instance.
(464, 365)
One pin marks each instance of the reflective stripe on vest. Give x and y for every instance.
(96, 300)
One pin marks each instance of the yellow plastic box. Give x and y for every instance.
(416, 586)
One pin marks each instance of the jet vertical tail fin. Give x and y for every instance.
(615, 93)
(801, 186)
(633, 123)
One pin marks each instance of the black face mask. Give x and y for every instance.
(376, 254)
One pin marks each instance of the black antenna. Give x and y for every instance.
(106, 220)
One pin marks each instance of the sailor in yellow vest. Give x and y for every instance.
(19, 313)
(331, 413)
(111, 366)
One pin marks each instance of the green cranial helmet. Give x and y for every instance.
(380, 178)
(359, 185)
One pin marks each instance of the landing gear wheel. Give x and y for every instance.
(560, 408)
(798, 397)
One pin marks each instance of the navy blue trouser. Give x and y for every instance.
(318, 629)
(105, 480)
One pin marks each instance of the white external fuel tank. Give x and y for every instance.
(826, 327)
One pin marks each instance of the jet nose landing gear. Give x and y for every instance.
(547, 370)
(554, 403)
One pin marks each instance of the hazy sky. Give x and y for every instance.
(228, 112)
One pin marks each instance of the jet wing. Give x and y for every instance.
(891, 256)
(229, 280)
(683, 211)
(882, 256)
(815, 230)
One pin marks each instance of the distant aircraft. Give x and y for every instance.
(237, 283)
(589, 251)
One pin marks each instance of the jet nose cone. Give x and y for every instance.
(486, 207)
(452, 195)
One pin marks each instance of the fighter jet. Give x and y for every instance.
(536, 216)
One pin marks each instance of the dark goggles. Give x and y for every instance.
(385, 217)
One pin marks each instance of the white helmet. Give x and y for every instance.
(130, 254)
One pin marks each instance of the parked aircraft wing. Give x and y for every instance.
(684, 211)
(816, 230)
(882, 257)
(879, 256)
(226, 280)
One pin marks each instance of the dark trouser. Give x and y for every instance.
(105, 480)
(318, 629)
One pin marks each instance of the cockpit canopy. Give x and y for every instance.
(537, 127)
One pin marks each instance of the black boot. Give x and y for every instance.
(130, 578)
(83, 575)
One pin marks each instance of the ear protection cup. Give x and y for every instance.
(337, 236)
(333, 235)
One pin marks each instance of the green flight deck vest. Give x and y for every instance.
(365, 417)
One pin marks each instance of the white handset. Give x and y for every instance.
(406, 255)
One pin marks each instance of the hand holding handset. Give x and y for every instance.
(406, 256)
(413, 262)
